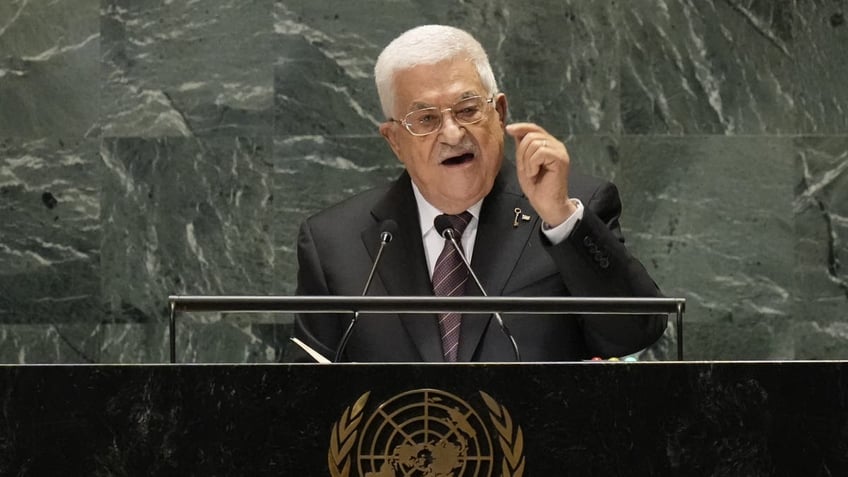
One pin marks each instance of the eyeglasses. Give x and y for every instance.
(422, 122)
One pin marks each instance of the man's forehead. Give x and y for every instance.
(437, 84)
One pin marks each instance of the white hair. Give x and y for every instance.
(428, 45)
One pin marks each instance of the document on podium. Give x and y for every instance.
(318, 357)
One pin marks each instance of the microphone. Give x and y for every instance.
(446, 230)
(388, 228)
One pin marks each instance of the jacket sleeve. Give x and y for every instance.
(319, 331)
(593, 262)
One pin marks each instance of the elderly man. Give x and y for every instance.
(530, 229)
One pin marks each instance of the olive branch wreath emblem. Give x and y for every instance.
(344, 436)
(346, 430)
(510, 437)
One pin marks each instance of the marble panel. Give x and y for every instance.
(186, 68)
(234, 338)
(184, 216)
(822, 39)
(595, 155)
(821, 256)
(200, 338)
(50, 343)
(709, 67)
(558, 63)
(324, 67)
(710, 217)
(50, 242)
(48, 68)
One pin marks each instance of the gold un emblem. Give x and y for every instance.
(425, 433)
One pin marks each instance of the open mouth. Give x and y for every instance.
(458, 160)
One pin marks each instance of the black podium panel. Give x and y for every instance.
(746, 419)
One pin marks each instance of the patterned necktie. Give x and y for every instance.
(449, 277)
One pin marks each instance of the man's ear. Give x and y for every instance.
(501, 108)
(389, 132)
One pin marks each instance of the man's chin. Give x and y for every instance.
(460, 198)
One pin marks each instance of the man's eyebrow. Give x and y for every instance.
(421, 105)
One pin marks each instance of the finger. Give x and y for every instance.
(519, 130)
(537, 155)
(537, 162)
(531, 142)
(526, 147)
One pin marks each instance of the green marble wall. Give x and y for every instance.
(154, 147)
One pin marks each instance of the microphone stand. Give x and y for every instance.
(385, 238)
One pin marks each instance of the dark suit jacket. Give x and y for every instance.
(337, 247)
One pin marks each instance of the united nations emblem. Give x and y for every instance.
(425, 433)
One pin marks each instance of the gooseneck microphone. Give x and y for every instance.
(446, 230)
(388, 228)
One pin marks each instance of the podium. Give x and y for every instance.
(450, 419)
(556, 419)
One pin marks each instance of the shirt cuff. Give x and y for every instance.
(562, 231)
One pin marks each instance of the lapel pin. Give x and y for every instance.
(519, 215)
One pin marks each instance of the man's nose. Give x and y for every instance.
(452, 132)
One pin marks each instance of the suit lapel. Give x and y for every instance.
(497, 249)
(403, 270)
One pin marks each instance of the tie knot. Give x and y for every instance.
(460, 221)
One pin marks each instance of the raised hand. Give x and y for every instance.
(543, 165)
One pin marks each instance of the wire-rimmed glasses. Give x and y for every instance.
(466, 111)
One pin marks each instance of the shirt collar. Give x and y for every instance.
(427, 213)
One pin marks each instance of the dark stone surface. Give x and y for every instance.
(697, 418)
